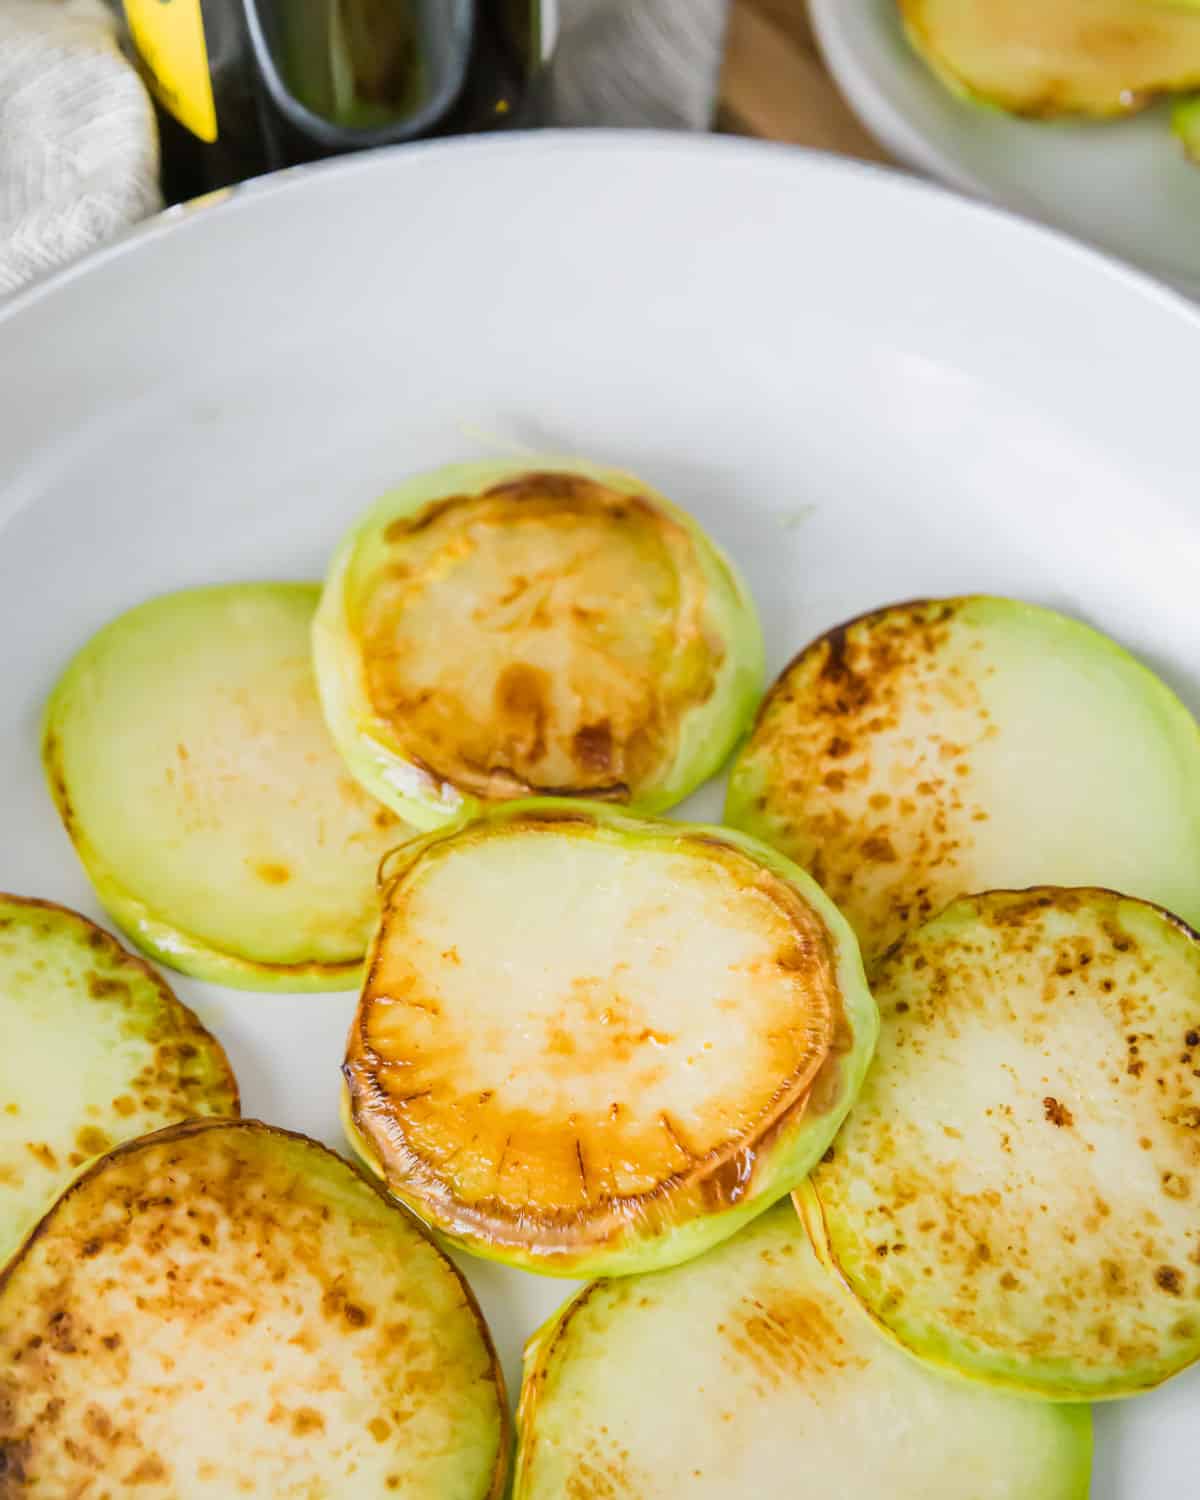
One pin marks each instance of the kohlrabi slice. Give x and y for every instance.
(752, 1372)
(593, 1042)
(928, 750)
(95, 1050)
(1053, 57)
(190, 762)
(1014, 1195)
(499, 630)
(224, 1309)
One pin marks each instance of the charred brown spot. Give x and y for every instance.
(151, 1470)
(1169, 1280)
(102, 987)
(92, 1141)
(420, 520)
(1056, 1112)
(594, 747)
(42, 1154)
(523, 708)
(306, 1420)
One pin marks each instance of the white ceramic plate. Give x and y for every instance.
(1124, 185)
(866, 388)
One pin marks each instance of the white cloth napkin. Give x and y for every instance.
(78, 143)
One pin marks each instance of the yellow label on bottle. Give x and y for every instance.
(169, 37)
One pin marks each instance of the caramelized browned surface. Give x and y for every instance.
(223, 1310)
(866, 748)
(1015, 1189)
(559, 1034)
(544, 635)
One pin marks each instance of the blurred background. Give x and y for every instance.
(1082, 113)
(109, 111)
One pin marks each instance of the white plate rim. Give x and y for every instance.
(950, 198)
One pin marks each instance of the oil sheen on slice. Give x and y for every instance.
(225, 1309)
(187, 754)
(592, 1042)
(1015, 1192)
(933, 749)
(491, 631)
(752, 1372)
(1054, 57)
(96, 1049)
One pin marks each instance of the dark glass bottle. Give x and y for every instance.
(293, 80)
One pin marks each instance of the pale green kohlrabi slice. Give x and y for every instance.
(500, 630)
(187, 754)
(96, 1049)
(1014, 1195)
(226, 1309)
(928, 750)
(590, 1042)
(752, 1372)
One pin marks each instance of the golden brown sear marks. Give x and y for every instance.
(544, 635)
(584, 1100)
(222, 1277)
(863, 752)
(602, 1472)
(56, 966)
(786, 1337)
(1013, 1184)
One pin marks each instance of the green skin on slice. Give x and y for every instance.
(947, 746)
(223, 1308)
(1014, 1195)
(590, 1042)
(752, 1372)
(1185, 121)
(491, 631)
(188, 757)
(96, 1050)
(1043, 58)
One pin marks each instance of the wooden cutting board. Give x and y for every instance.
(775, 85)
